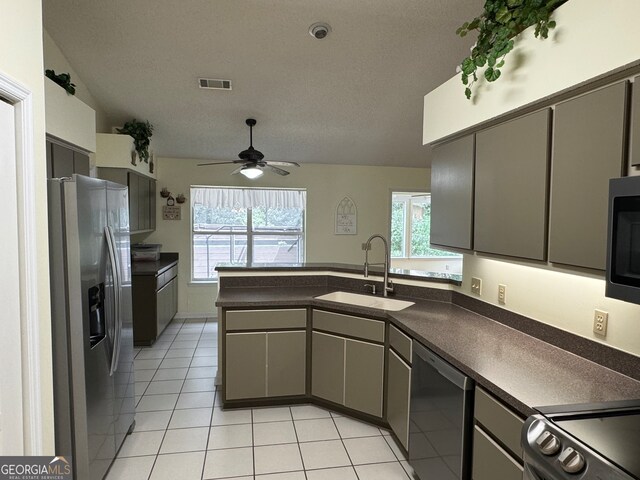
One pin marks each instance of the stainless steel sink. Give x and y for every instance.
(370, 301)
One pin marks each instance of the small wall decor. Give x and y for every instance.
(346, 217)
(171, 211)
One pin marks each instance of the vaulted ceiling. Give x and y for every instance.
(354, 97)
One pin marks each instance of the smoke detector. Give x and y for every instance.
(319, 30)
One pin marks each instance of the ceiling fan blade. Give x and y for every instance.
(284, 164)
(237, 170)
(277, 170)
(215, 163)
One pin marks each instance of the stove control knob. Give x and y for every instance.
(548, 443)
(571, 461)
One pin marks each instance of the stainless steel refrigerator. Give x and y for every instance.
(94, 397)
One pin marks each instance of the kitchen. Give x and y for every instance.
(557, 296)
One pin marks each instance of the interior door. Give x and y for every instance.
(11, 430)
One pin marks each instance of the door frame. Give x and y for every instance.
(22, 100)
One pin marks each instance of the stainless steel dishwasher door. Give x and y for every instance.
(440, 419)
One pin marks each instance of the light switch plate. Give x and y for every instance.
(476, 285)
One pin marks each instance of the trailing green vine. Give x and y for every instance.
(497, 26)
(141, 133)
(62, 79)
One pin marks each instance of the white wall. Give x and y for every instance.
(368, 187)
(591, 39)
(435, 264)
(562, 298)
(21, 59)
(54, 59)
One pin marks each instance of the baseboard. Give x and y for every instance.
(183, 315)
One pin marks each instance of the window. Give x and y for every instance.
(410, 226)
(245, 226)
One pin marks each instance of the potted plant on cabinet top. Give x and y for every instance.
(141, 133)
(497, 26)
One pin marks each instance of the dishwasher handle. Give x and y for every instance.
(448, 371)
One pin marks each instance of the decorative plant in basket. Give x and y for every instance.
(497, 26)
(141, 133)
(62, 79)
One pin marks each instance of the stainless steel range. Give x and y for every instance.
(587, 442)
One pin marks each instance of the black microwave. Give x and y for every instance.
(623, 240)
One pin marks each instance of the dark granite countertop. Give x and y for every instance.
(523, 371)
(166, 261)
(451, 278)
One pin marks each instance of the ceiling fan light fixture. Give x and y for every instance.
(252, 172)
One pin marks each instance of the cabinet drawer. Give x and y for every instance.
(490, 462)
(172, 272)
(160, 281)
(400, 343)
(347, 325)
(265, 319)
(505, 425)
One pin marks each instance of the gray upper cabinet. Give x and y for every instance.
(512, 162)
(634, 152)
(588, 150)
(64, 162)
(452, 194)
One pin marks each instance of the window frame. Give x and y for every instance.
(407, 199)
(248, 232)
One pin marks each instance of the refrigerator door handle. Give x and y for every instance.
(116, 293)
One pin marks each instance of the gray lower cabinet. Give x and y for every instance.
(154, 302)
(497, 453)
(265, 364)
(452, 193)
(327, 367)
(245, 365)
(588, 150)
(512, 162)
(364, 377)
(398, 397)
(348, 372)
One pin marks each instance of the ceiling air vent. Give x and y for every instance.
(215, 84)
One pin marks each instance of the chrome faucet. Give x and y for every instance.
(388, 284)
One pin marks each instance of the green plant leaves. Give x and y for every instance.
(141, 132)
(497, 26)
(62, 79)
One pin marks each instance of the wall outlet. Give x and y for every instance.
(502, 294)
(600, 320)
(476, 285)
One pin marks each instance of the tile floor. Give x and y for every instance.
(182, 432)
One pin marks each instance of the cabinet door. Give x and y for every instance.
(143, 203)
(152, 204)
(398, 397)
(634, 151)
(452, 194)
(134, 226)
(49, 152)
(81, 163)
(245, 365)
(490, 462)
(511, 187)
(588, 150)
(62, 161)
(364, 377)
(286, 363)
(327, 375)
(164, 299)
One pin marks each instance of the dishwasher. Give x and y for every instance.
(440, 418)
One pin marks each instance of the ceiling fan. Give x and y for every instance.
(253, 165)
